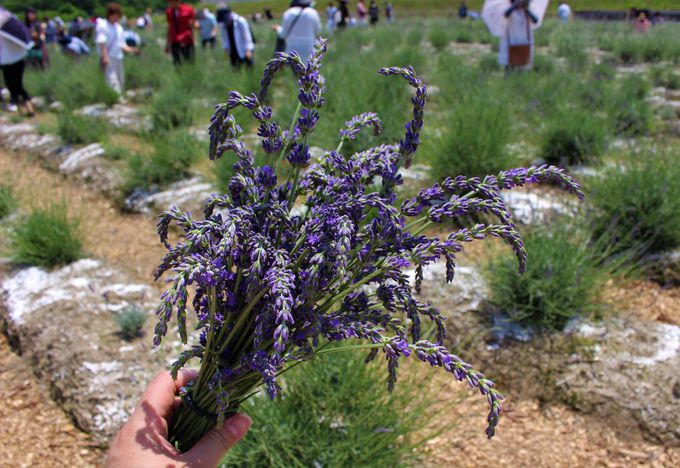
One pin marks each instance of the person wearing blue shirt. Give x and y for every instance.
(207, 25)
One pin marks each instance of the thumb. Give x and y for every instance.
(214, 445)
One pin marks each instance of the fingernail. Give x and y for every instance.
(239, 424)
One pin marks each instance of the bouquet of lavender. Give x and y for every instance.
(272, 286)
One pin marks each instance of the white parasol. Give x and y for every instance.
(493, 14)
(13, 30)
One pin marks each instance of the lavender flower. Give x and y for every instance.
(271, 287)
(358, 122)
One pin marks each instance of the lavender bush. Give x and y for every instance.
(273, 285)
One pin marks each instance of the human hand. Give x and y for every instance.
(143, 439)
(249, 54)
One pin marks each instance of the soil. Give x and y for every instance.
(529, 434)
(35, 430)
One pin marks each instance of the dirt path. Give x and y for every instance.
(129, 241)
(41, 435)
(35, 431)
(552, 436)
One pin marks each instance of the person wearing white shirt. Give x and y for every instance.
(110, 39)
(237, 39)
(300, 27)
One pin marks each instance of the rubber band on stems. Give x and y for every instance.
(191, 404)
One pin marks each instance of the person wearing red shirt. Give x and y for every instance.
(181, 21)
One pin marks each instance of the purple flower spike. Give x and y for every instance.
(409, 144)
(299, 156)
(354, 126)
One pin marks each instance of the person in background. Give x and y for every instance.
(389, 12)
(148, 20)
(74, 27)
(657, 18)
(180, 41)
(237, 39)
(71, 45)
(463, 10)
(132, 38)
(207, 26)
(37, 56)
(268, 14)
(344, 14)
(563, 12)
(519, 36)
(12, 62)
(362, 12)
(50, 30)
(110, 39)
(31, 19)
(331, 13)
(642, 23)
(300, 27)
(374, 13)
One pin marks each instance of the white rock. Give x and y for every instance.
(76, 159)
(532, 207)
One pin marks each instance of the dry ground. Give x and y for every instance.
(37, 433)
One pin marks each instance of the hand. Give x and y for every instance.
(275, 27)
(249, 54)
(167, 48)
(105, 61)
(143, 439)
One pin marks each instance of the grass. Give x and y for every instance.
(336, 412)
(574, 136)
(170, 161)
(629, 110)
(47, 237)
(7, 201)
(638, 205)
(475, 141)
(75, 129)
(130, 322)
(73, 90)
(665, 76)
(561, 282)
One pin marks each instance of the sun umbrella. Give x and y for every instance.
(13, 30)
(493, 14)
(15, 39)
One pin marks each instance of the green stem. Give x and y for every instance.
(349, 348)
(286, 144)
(342, 142)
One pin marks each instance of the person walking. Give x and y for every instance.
(15, 42)
(463, 10)
(362, 12)
(389, 12)
(110, 39)
(516, 49)
(207, 26)
(237, 38)
(374, 13)
(300, 27)
(331, 14)
(180, 40)
(344, 14)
